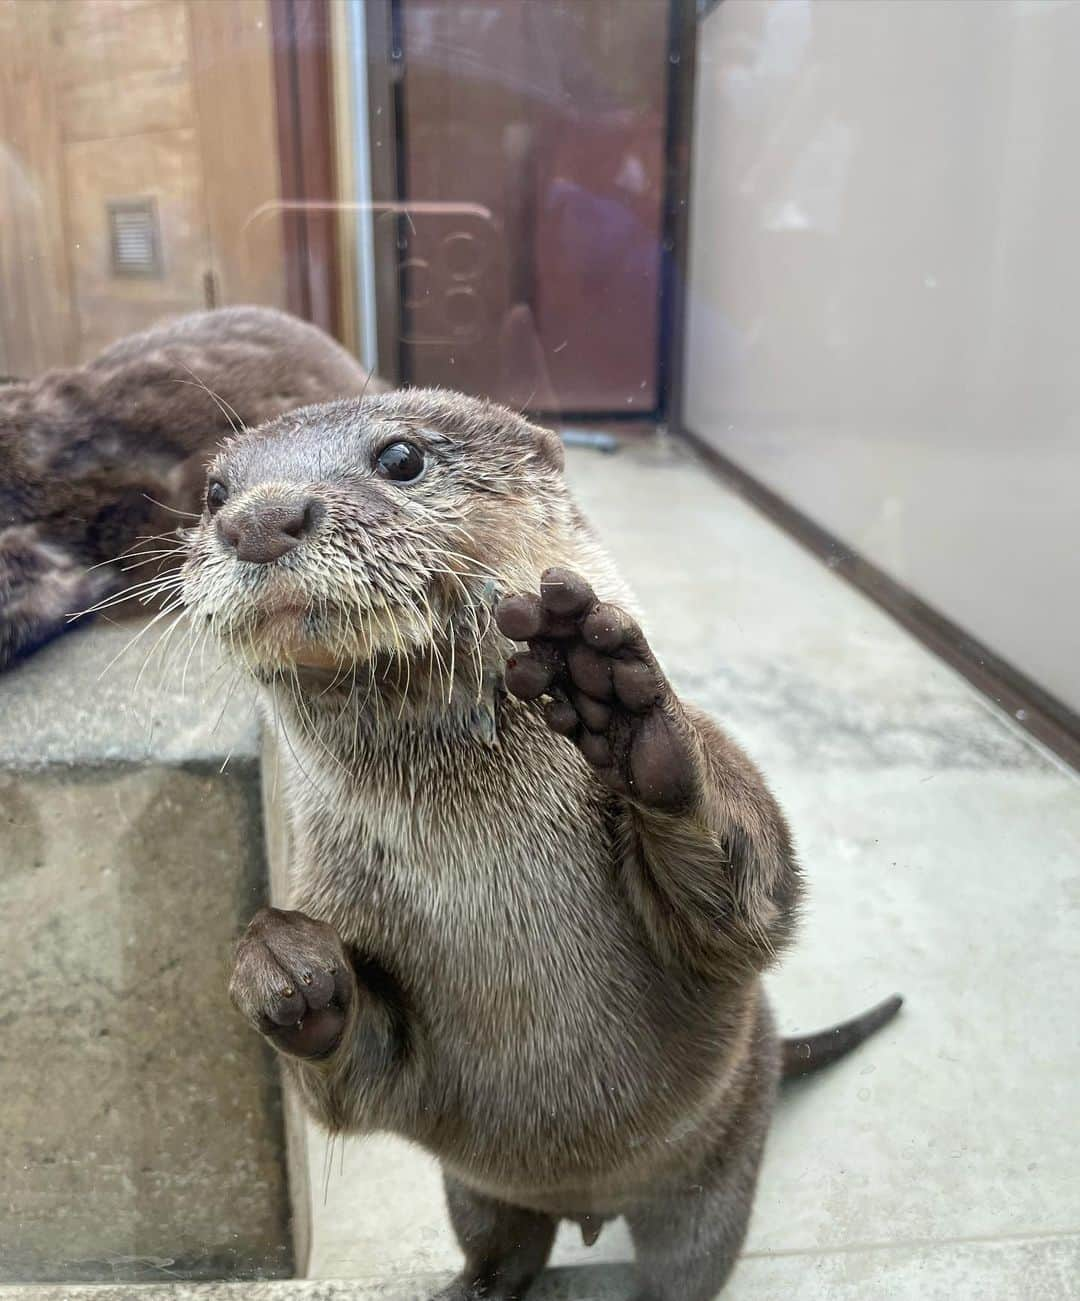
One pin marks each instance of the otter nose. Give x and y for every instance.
(261, 532)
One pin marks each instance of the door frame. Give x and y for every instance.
(303, 81)
(678, 146)
(385, 33)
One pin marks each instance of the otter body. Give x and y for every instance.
(534, 890)
(487, 873)
(99, 457)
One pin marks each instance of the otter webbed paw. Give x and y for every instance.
(293, 981)
(607, 692)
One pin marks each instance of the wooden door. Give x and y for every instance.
(532, 160)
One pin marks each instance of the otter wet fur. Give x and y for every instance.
(534, 889)
(100, 462)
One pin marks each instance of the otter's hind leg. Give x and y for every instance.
(686, 1242)
(505, 1246)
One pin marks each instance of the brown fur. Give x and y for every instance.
(535, 889)
(83, 452)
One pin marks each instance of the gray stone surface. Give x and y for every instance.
(140, 1125)
(125, 693)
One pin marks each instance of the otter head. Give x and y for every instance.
(378, 528)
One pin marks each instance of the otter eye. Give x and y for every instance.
(401, 462)
(216, 495)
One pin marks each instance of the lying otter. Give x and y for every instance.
(535, 889)
(96, 458)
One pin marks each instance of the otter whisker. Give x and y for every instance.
(225, 705)
(133, 589)
(176, 534)
(453, 668)
(204, 642)
(169, 609)
(150, 556)
(170, 645)
(478, 653)
(461, 573)
(428, 620)
(145, 591)
(307, 720)
(400, 653)
(277, 749)
(162, 643)
(364, 389)
(253, 705)
(147, 587)
(433, 650)
(372, 687)
(283, 731)
(450, 553)
(189, 514)
(135, 549)
(226, 409)
(195, 641)
(368, 664)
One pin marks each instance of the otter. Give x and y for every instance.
(96, 458)
(534, 889)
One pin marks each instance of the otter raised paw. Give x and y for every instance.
(293, 981)
(606, 690)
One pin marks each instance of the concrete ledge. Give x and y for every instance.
(142, 1132)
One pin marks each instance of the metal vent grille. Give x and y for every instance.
(134, 237)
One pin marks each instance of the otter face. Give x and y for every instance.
(340, 533)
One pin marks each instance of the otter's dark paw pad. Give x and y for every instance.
(293, 981)
(605, 689)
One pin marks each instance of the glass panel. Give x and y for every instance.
(425, 424)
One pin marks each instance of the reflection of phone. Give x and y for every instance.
(450, 256)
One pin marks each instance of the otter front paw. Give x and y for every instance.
(293, 981)
(607, 692)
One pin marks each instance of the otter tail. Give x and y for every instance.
(806, 1053)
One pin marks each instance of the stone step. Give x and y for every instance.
(139, 1113)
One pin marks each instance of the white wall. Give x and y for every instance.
(884, 319)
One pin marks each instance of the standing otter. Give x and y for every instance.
(96, 458)
(535, 889)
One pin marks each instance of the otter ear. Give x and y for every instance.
(549, 446)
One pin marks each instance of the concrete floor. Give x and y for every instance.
(943, 852)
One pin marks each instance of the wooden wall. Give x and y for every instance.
(114, 99)
(35, 278)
